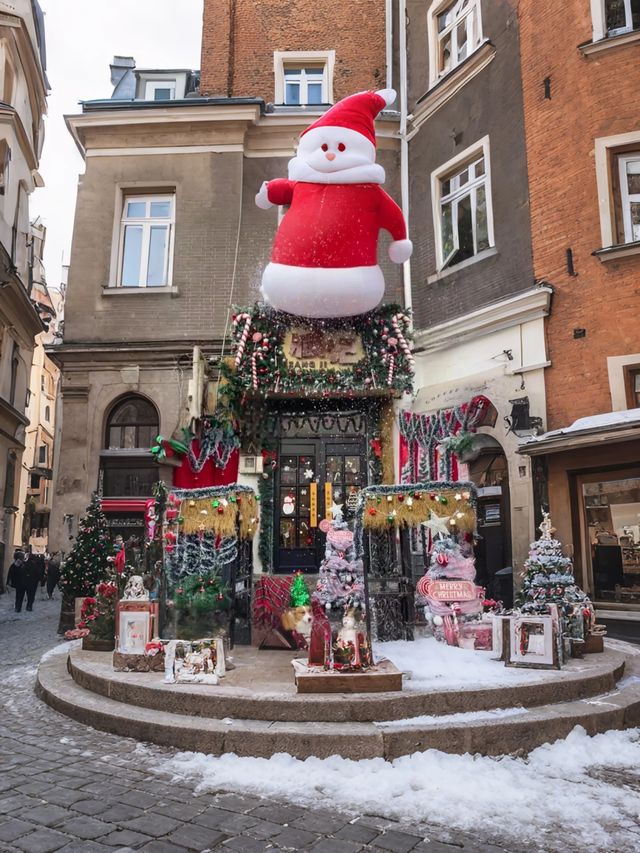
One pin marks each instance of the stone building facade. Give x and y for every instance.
(162, 154)
(580, 75)
(23, 103)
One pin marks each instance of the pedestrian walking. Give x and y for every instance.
(16, 578)
(33, 568)
(53, 574)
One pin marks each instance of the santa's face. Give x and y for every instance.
(335, 149)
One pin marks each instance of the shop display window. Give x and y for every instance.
(612, 512)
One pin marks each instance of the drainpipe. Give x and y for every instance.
(404, 144)
(388, 19)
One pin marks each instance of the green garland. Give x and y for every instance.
(385, 367)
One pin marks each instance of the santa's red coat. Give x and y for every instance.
(332, 225)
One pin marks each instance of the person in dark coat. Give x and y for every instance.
(33, 572)
(17, 578)
(53, 574)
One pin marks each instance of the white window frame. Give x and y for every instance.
(605, 148)
(146, 223)
(627, 198)
(599, 20)
(473, 152)
(435, 38)
(283, 59)
(150, 87)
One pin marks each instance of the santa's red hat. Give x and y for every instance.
(357, 112)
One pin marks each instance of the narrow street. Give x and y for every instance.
(67, 787)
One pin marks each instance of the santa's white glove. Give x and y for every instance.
(400, 251)
(262, 198)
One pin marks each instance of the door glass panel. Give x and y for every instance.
(288, 475)
(352, 469)
(306, 535)
(287, 533)
(129, 437)
(303, 503)
(288, 503)
(334, 469)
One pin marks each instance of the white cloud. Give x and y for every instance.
(82, 38)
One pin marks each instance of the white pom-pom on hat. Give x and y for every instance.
(400, 251)
(388, 95)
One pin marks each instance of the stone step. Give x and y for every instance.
(274, 699)
(520, 732)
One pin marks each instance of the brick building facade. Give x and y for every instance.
(581, 75)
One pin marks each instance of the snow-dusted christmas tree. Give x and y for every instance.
(341, 582)
(549, 579)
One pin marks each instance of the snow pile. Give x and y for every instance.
(436, 665)
(553, 798)
(63, 648)
(449, 719)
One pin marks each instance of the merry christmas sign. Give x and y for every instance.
(447, 590)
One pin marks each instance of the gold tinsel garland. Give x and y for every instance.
(220, 515)
(410, 509)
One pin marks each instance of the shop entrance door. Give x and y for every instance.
(312, 474)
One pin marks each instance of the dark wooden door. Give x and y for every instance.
(304, 464)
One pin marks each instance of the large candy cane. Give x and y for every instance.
(395, 322)
(243, 337)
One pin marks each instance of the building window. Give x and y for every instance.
(455, 32)
(305, 86)
(146, 240)
(132, 424)
(160, 90)
(621, 16)
(632, 385)
(43, 454)
(304, 78)
(47, 414)
(10, 480)
(629, 177)
(462, 207)
(34, 482)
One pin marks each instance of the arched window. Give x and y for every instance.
(132, 424)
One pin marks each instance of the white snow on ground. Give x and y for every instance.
(550, 799)
(448, 719)
(62, 648)
(437, 665)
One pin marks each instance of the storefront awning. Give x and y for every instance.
(611, 427)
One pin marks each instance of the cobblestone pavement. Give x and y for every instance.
(67, 787)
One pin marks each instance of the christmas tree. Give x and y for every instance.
(341, 582)
(452, 607)
(299, 594)
(549, 579)
(89, 562)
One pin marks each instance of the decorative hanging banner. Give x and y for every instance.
(313, 505)
(328, 501)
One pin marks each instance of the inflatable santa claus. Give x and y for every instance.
(324, 261)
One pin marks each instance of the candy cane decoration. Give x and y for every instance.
(395, 322)
(243, 337)
(392, 363)
(254, 371)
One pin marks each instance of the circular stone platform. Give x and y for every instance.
(256, 711)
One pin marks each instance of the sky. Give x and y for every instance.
(82, 38)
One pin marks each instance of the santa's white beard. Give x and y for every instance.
(367, 173)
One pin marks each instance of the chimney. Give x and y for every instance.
(122, 78)
(217, 48)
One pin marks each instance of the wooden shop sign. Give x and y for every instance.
(316, 349)
(450, 590)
